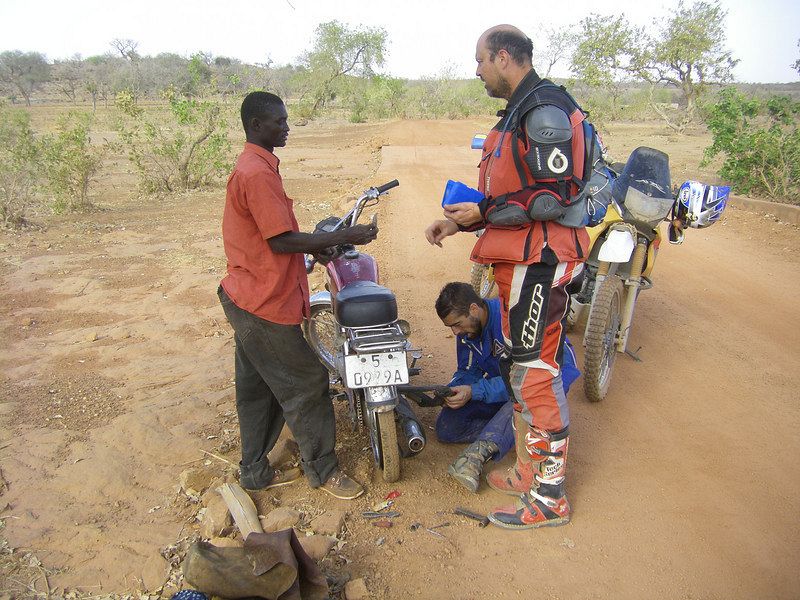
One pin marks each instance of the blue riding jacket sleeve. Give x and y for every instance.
(478, 360)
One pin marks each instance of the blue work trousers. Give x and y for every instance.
(478, 421)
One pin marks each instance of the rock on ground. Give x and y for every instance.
(195, 481)
(279, 519)
(329, 523)
(154, 572)
(317, 546)
(216, 519)
(356, 590)
(225, 542)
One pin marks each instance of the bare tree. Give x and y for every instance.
(68, 75)
(553, 47)
(97, 73)
(126, 48)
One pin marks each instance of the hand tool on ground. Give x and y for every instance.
(482, 520)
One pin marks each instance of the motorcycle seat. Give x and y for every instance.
(364, 304)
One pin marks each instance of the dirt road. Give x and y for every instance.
(117, 366)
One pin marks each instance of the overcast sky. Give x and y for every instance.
(425, 36)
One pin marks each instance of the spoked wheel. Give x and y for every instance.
(389, 449)
(320, 330)
(482, 280)
(601, 337)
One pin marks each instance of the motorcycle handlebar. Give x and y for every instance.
(351, 217)
(387, 186)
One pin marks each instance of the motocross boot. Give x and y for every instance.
(466, 468)
(519, 478)
(545, 504)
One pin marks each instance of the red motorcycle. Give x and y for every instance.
(355, 331)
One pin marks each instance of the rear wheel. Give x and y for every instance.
(390, 450)
(482, 280)
(601, 338)
(320, 330)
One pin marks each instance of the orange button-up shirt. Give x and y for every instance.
(267, 284)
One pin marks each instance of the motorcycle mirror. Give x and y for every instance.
(675, 234)
(405, 327)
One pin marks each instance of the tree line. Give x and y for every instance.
(674, 60)
(620, 71)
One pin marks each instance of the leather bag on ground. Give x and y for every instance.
(270, 565)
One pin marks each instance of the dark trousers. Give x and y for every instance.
(279, 380)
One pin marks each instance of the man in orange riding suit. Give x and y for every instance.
(527, 163)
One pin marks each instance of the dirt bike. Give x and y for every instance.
(354, 329)
(622, 255)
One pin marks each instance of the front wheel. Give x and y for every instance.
(482, 279)
(602, 332)
(390, 450)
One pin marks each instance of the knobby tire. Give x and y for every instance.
(601, 334)
(482, 280)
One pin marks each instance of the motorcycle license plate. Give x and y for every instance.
(370, 370)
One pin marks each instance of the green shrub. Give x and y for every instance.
(70, 162)
(760, 142)
(187, 149)
(19, 170)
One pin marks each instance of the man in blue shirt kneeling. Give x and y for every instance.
(479, 411)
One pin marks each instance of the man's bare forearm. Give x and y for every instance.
(312, 243)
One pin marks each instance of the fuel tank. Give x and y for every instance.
(358, 300)
(350, 267)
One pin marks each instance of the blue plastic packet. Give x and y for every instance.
(477, 141)
(455, 192)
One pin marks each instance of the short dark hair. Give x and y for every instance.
(518, 45)
(456, 297)
(256, 104)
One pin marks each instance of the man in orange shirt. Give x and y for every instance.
(265, 298)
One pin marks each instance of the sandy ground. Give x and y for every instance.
(117, 372)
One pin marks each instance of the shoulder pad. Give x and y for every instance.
(548, 124)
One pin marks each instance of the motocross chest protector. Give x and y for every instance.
(558, 167)
(563, 164)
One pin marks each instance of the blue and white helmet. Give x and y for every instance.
(699, 205)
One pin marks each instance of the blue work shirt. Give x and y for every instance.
(478, 361)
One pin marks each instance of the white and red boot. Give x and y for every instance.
(545, 504)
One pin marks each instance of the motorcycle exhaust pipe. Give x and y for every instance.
(413, 434)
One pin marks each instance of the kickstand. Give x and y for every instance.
(635, 354)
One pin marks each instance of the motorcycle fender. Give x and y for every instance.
(381, 399)
(618, 247)
(320, 298)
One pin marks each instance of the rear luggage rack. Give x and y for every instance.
(374, 339)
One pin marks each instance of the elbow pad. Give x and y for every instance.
(545, 206)
(549, 134)
(510, 210)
